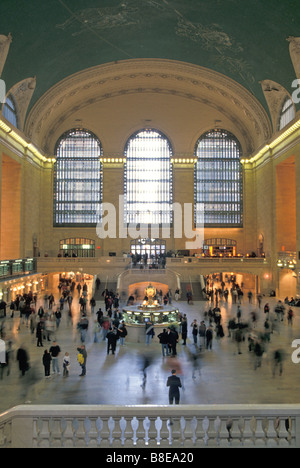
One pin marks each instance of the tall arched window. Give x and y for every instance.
(77, 179)
(287, 113)
(218, 180)
(9, 111)
(148, 179)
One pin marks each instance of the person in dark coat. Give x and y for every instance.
(46, 362)
(172, 337)
(23, 359)
(112, 337)
(184, 330)
(174, 383)
(39, 333)
(163, 339)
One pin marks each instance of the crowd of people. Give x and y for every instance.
(42, 317)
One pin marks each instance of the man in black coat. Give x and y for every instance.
(184, 330)
(112, 337)
(174, 383)
(172, 337)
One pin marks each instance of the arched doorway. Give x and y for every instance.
(150, 249)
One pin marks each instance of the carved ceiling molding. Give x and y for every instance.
(294, 49)
(172, 77)
(22, 93)
(5, 42)
(47, 142)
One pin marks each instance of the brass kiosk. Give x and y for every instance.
(137, 316)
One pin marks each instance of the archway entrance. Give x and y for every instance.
(148, 249)
(238, 285)
(137, 290)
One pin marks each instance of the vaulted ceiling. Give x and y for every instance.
(207, 58)
(247, 41)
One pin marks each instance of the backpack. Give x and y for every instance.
(80, 358)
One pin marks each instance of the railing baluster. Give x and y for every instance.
(151, 427)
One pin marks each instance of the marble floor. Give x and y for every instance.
(226, 377)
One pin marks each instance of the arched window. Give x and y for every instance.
(77, 247)
(218, 180)
(9, 111)
(77, 179)
(148, 179)
(287, 113)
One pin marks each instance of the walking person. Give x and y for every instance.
(290, 316)
(174, 383)
(39, 333)
(258, 354)
(92, 304)
(23, 359)
(202, 334)
(278, 358)
(58, 318)
(96, 330)
(209, 337)
(146, 362)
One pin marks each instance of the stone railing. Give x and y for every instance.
(153, 427)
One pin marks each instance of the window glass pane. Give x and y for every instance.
(9, 111)
(148, 179)
(77, 179)
(287, 113)
(218, 180)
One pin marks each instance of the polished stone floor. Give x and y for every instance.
(226, 377)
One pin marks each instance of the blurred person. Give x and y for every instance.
(258, 353)
(194, 357)
(96, 330)
(146, 361)
(290, 316)
(39, 333)
(23, 359)
(209, 337)
(47, 362)
(278, 359)
(2, 357)
(82, 359)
